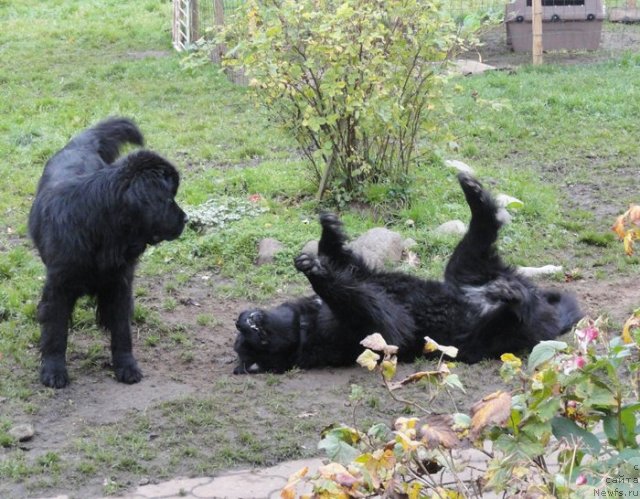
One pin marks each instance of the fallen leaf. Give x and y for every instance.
(418, 376)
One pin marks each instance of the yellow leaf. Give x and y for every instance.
(633, 322)
(389, 368)
(442, 493)
(368, 359)
(634, 214)
(289, 491)
(618, 227)
(492, 409)
(431, 346)
(628, 243)
(414, 490)
(331, 470)
(407, 443)
(404, 424)
(509, 358)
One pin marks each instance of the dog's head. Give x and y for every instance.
(266, 340)
(151, 184)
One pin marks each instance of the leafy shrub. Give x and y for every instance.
(354, 81)
(568, 429)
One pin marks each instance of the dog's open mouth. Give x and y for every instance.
(251, 321)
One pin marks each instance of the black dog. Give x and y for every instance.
(91, 219)
(484, 307)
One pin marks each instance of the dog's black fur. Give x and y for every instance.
(91, 219)
(484, 307)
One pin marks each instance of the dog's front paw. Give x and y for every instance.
(330, 221)
(308, 264)
(472, 188)
(53, 373)
(126, 370)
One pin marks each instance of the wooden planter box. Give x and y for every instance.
(566, 24)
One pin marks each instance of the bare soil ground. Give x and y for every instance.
(194, 399)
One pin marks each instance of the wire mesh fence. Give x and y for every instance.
(573, 30)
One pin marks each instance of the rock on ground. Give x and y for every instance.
(455, 227)
(268, 248)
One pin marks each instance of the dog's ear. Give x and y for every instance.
(148, 168)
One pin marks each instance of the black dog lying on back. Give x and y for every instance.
(484, 307)
(91, 219)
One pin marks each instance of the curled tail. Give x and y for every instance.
(108, 136)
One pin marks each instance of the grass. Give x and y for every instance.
(66, 64)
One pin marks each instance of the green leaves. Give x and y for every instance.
(621, 427)
(564, 428)
(338, 444)
(544, 351)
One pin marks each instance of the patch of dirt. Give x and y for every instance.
(616, 298)
(145, 54)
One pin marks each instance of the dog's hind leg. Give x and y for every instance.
(54, 315)
(115, 308)
(475, 260)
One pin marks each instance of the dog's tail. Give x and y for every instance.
(108, 136)
(568, 312)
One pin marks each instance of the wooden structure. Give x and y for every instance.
(559, 24)
(185, 29)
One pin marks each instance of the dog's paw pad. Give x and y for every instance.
(330, 220)
(470, 184)
(307, 263)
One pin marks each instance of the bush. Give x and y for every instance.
(568, 429)
(354, 81)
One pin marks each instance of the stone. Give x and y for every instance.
(470, 67)
(311, 248)
(459, 165)
(506, 201)
(408, 243)
(455, 227)
(379, 246)
(536, 271)
(268, 248)
(22, 432)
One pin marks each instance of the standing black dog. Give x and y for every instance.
(91, 219)
(484, 307)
